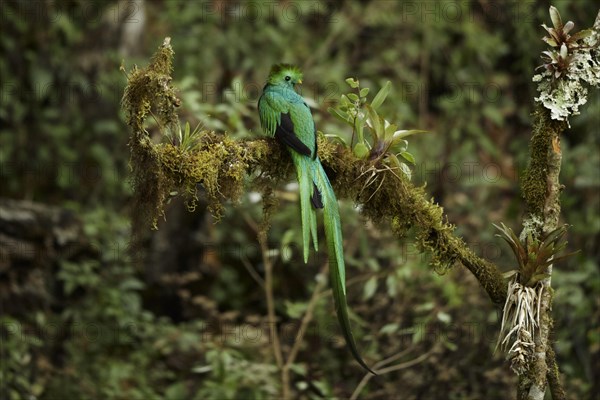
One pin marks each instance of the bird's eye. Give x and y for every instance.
(287, 78)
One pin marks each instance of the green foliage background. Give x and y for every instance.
(182, 317)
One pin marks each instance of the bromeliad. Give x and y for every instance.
(285, 115)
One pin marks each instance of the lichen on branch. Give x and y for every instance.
(570, 66)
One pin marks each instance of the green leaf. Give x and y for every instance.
(563, 256)
(582, 34)
(341, 115)
(380, 127)
(568, 26)
(345, 102)
(405, 170)
(286, 240)
(361, 150)
(389, 132)
(370, 288)
(202, 369)
(364, 92)
(564, 51)
(444, 317)
(450, 345)
(408, 157)
(391, 284)
(393, 161)
(550, 41)
(406, 133)
(547, 28)
(300, 369)
(555, 17)
(353, 96)
(375, 122)
(494, 114)
(389, 328)
(295, 309)
(352, 82)
(510, 274)
(359, 124)
(381, 95)
(537, 278)
(511, 238)
(398, 146)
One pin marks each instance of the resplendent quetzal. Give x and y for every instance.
(285, 115)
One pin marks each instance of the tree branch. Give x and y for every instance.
(541, 190)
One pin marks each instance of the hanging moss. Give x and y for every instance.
(219, 164)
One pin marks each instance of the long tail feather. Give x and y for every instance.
(304, 170)
(313, 228)
(337, 269)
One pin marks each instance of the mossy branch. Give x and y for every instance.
(541, 190)
(220, 165)
(540, 187)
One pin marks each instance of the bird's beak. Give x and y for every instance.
(300, 81)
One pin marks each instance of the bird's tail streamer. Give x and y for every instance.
(337, 269)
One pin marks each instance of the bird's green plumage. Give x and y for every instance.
(285, 115)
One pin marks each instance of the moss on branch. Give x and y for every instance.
(539, 186)
(220, 165)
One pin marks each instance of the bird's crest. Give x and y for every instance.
(279, 70)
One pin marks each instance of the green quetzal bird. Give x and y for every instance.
(285, 115)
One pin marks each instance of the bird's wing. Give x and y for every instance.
(275, 112)
(285, 133)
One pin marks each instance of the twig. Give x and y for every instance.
(383, 371)
(393, 358)
(306, 319)
(360, 278)
(272, 320)
(250, 268)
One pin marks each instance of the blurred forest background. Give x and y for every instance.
(82, 317)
